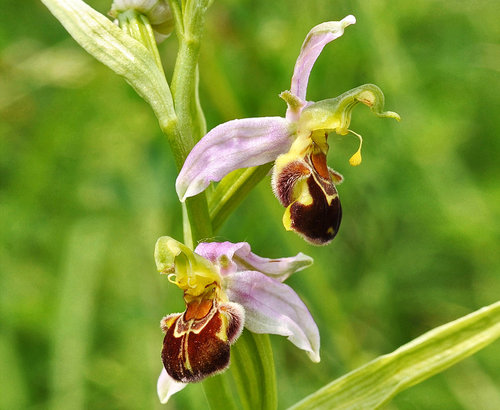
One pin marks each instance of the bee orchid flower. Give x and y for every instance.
(226, 287)
(297, 143)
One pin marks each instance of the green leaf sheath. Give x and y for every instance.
(231, 191)
(253, 371)
(377, 382)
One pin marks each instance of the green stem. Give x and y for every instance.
(218, 392)
(190, 123)
(174, 137)
(187, 130)
(199, 219)
(183, 86)
(185, 78)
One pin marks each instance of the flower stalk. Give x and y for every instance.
(191, 125)
(185, 78)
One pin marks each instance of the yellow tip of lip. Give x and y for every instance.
(287, 219)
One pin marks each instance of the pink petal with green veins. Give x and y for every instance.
(232, 257)
(314, 43)
(273, 307)
(232, 145)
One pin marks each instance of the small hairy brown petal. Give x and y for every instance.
(168, 321)
(236, 317)
(287, 179)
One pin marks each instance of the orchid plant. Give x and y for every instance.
(226, 287)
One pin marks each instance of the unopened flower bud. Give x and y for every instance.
(156, 11)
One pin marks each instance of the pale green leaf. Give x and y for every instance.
(119, 51)
(377, 382)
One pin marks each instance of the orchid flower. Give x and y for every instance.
(226, 287)
(301, 179)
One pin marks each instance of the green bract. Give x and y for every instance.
(117, 50)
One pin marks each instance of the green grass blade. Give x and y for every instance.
(377, 382)
(15, 390)
(218, 392)
(252, 368)
(72, 336)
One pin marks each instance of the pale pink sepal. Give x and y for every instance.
(232, 145)
(232, 257)
(273, 307)
(315, 41)
(167, 386)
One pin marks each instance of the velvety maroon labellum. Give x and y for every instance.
(197, 342)
(305, 186)
(319, 221)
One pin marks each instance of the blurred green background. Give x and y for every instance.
(87, 186)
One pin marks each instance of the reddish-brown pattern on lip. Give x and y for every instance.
(287, 179)
(319, 221)
(197, 342)
(198, 309)
(319, 162)
(315, 216)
